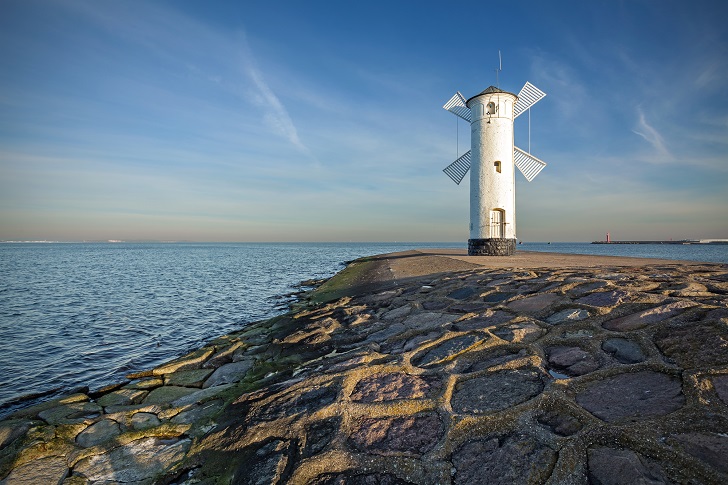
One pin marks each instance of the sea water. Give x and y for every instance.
(87, 314)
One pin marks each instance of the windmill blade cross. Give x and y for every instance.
(529, 165)
(457, 169)
(528, 96)
(456, 106)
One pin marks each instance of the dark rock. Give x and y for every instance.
(534, 304)
(144, 421)
(266, 464)
(712, 448)
(481, 360)
(694, 346)
(498, 296)
(521, 332)
(720, 383)
(99, 432)
(417, 434)
(604, 298)
(52, 469)
(495, 392)
(351, 478)
(167, 394)
(585, 288)
(623, 350)
(462, 293)
(289, 404)
(388, 387)
(435, 304)
(229, 373)
(568, 315)
(319, 435)
(561, 424)
(133, 462)
(573, 361)
(518, 459)
(444, 350)
(648, 317)
(635, 396)
(489, 318)
(607, 466)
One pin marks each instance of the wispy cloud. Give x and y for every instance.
(651, 135)
(275, 114)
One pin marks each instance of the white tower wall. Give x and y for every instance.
(492, 184)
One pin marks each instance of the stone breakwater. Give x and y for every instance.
(606, 375)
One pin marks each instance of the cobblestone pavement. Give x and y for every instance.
(574, 375)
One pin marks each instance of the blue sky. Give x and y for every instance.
(323, 121)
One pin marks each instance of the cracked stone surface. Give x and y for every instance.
(575, 375)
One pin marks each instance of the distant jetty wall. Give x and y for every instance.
(682, 241)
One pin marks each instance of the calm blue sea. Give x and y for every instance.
(82, 314)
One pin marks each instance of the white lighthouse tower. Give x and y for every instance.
(494, 158)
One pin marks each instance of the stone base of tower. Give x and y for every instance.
(491, 247)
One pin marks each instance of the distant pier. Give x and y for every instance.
(682, 241)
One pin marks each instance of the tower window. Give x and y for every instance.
(497, 165)
(492, 108)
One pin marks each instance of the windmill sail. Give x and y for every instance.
(529, 165)
(456, 106)
(528, 96)
(457, 169)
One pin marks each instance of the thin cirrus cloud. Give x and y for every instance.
(651, 135)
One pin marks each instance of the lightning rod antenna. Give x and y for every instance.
(500, 68)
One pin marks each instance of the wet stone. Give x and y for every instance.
(568, 315)
(711, 448)
(444, 350)
(647, 317)
(694, 346)
(417, 434)
(98, 433)
(229, 373)
(608, 466)
(636, 396)
(495, 392)
(122, 397)
(188, 378)
(144, 421)
(134, 462)
(198, 413)
(11, 430)
(521, 332)
(560, 424)
(71, 413)
(606, 299)
(515, 459)
(167, 394)
(573, 361)
(389, 387)
(623, 350)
